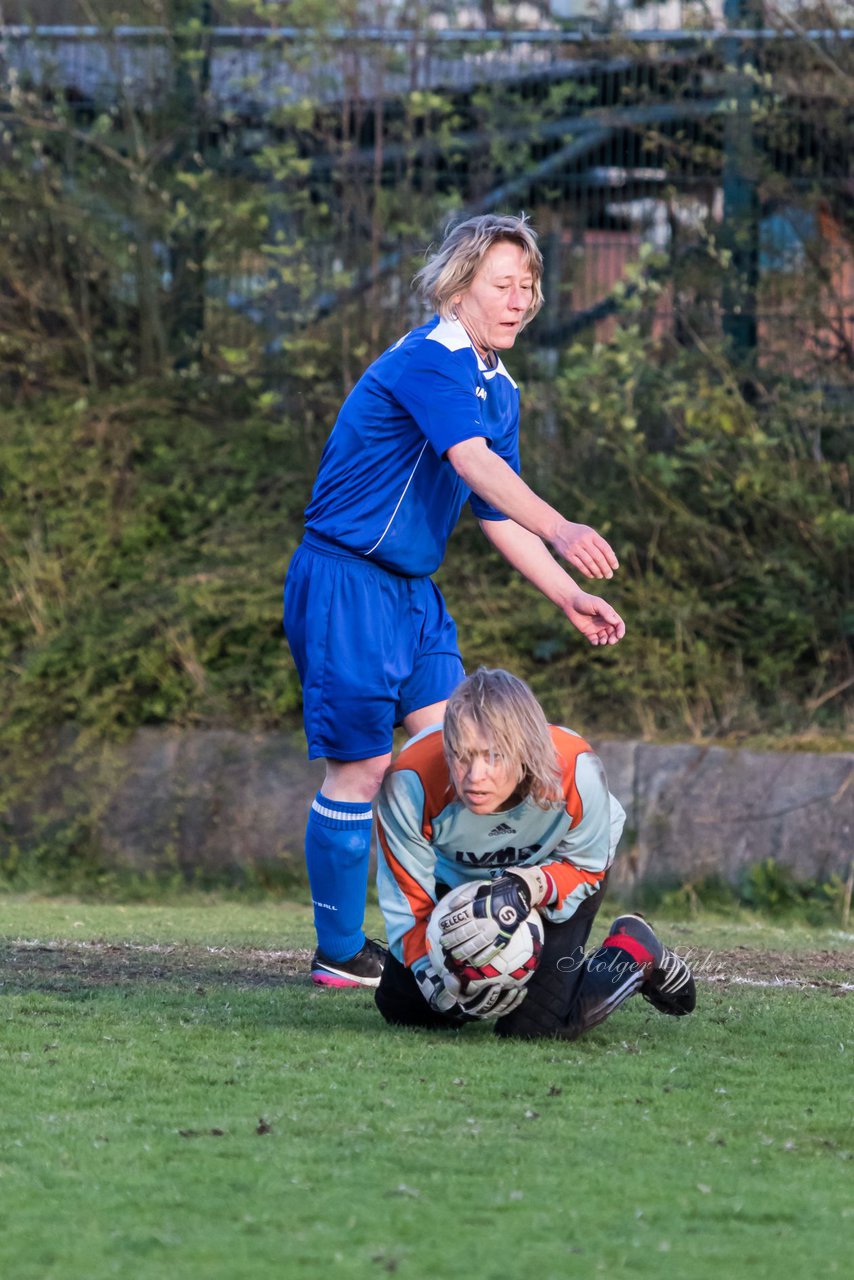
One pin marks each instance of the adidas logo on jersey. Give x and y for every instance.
(503, 829)
(480, 392)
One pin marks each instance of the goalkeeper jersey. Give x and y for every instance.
(384, 489)
(428, 836)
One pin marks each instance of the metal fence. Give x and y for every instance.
(707, 173)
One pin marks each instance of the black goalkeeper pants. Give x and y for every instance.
(569, 992)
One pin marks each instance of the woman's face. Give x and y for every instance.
(484, 781)
(496, 302)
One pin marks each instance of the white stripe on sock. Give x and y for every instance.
(365, 815)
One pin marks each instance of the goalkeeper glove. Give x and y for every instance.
(480, 928)
(442, 995)
(534, 883)
(435, 992)
(492, 1002)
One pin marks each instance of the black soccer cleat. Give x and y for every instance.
(669, 984)
(364, 969)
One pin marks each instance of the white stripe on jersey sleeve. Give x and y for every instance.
(451, 334)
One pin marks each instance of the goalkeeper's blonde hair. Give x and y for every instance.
(456, 262)
(508, 717)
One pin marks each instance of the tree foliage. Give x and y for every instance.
(145, 541)
(185, 294)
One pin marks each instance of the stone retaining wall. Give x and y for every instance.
(218, 799)
(695, 811)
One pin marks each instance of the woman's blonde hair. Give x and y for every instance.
(508, 717)
(457, 261)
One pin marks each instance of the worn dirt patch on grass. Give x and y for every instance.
(67, 966)
(745, 966)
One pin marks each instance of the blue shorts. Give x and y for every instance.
(369, 647)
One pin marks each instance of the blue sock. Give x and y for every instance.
(337, 850)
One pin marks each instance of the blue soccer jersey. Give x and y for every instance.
(384, 489)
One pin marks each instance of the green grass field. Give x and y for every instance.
(178, 1101)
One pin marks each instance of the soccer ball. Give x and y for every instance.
(509, 967)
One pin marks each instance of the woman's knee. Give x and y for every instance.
(355, 780)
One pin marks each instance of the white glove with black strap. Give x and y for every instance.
(435, 992)
(442, 995)
(477, 930)
(491, 1002)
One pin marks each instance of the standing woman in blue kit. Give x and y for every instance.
(432, 423)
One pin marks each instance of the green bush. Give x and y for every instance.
(767, 888)
(734, 531)
(145, 540)
(142, 557)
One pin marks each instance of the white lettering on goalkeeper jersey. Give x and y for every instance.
(507, 857)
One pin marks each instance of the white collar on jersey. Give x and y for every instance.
(453, 335)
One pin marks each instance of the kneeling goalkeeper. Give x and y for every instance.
(498, 794)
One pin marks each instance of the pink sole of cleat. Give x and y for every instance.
(330, 980)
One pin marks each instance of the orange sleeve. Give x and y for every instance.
(425, 758)
(569, 748)
(567, 877)
(420, 904)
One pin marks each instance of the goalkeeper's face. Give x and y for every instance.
(485, 781)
